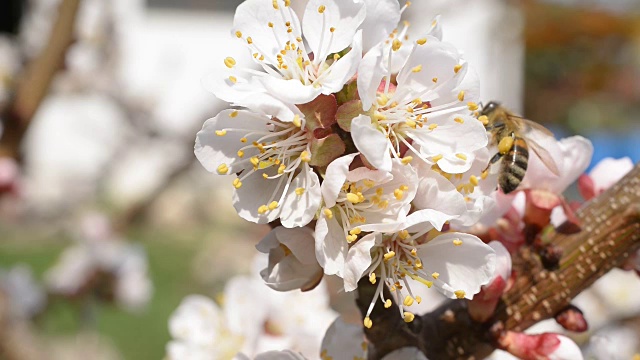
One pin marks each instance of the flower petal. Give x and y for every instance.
(343, 341)
(609, 171)
(464, 267)
(255, 192)
(213, 150)
(334, 179)
(358, 260)
(290, 90)
(196, 320)
(370, 73)
(344, 68)
(331, 245)
(382, 18)
(344, 16)
(299, 210)
(407, 352)
(371, 143)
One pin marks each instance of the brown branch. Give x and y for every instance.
(610, 234)
(32, 87)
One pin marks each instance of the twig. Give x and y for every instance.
(33, 86)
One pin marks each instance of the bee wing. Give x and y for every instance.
(544, 156)
(529, 128)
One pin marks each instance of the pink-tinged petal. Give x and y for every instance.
(358, 260)
(345, 16)
(572, 157)
(331, 245)
(343, 341)
(370, 73)
(335, 176)
(382, 18)
(608, 172)
(255, 192)
(503, 260)
(343, 69)
(541, 346)
(213, 150)
(299, 210)
(463, 267)
(405, 353)
(280, 355)
(371, 142)
(290, 90)
(252, 19)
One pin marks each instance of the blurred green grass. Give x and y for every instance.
(141, 335)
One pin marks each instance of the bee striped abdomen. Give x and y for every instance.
(514, 166)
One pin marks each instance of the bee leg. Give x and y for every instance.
(494, 126)
(493, 160)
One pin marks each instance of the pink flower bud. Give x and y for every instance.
(547, 346)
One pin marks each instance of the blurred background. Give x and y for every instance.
(107, 220)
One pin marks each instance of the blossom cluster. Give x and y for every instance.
(362, 145)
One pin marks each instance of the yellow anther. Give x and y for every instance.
(393, 104)
(457, 68)
(273, 205)
(437, 158)
(368, 323)
(435, 80)
(460, 294)
(396, 44)
(230, 62)
(408, 317)
(406, 160)
(483, 119)
(474, 180)
(472, 106)
(221, 132)
(238, 34)
(275, 4)
(382, 99)
(459, 120)
(388, 303)
(237, 183)
(461, 156)
(418, 299)
(368, 183)
(389, 255)
(353, 198)
(505, 144)
(233, 114)
(372, 278)
(321, 9)
(351, 238)
(270, 24)
(299, 191)
(461, 95)
(233, 79)
(414, 251)
(355, 231)
(421, 41)
(435, 275)
(327, 213)
(281, 169)
(305, 156)
(398, 194)
(379, 116)
(240, 153)
(255, 161)
(332, 29)
(408, 301)
(379, 191)
(263, 209)
(457, 242)
(223, 169)
(249, 40)
(417, 68)
(383, 204)
(243, 140)
(411, 123)
(296, 121)
(265, 176)
(287, 3)
(484, 174)
(433, 126)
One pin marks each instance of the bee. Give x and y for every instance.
(510, 133)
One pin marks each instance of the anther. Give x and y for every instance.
(406, 160)
(421, 41)
(223, 169)
(367, 322)
(327, 213)
(472, 106)
(461, 95)
(321, 9)
(230, 62)
(408, 301)
(408, 317)
(460, 294)
(372, 278)
(461, 156)
(299, 191)
(221, 132)
(457, 68)
(233, 114)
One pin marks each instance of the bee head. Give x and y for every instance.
(490, 107)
